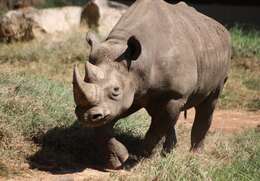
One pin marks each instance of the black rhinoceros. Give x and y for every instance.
(162, 57)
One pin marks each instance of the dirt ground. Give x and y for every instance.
(227, 121)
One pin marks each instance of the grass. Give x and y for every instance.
(33, 104)
(233, 157)
(225, 158)
(246, 43)
(242, 90)
(51, 56)
(38, 113)
(29, 107)
(37, 121)
(245, 71)
(246, 163)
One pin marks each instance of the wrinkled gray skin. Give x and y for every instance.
(161, 57)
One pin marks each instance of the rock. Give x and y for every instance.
(55, 20)
(14, 27)
(28, 23)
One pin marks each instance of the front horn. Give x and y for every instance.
(84, 93)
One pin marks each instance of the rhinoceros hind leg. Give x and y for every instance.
(203, 118)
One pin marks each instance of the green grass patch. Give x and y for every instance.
(254, 104)
(253, 84)
(245, 159)
(34, 104)
(246, 43)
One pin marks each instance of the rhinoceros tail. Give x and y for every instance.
(185, 114)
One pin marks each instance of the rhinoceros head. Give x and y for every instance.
(108, 88)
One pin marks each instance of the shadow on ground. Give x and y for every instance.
(73, 149)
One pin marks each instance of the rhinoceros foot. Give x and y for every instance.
(116, 154)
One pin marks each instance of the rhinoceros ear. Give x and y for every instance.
(134, 48)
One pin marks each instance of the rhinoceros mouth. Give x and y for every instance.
(90, 124)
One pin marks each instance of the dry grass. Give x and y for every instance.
(51, 57)
(242, 90)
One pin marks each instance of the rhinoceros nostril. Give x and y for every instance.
(97, 116)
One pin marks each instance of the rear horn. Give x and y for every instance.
(93, 73)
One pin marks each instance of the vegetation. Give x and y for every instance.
(60, 3)
(35, 110)
(245, 71)
(246, 43)
(37, 121)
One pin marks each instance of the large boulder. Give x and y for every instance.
(15, 27)
(16, 4)
(28, 23)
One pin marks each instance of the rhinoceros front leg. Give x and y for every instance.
(170, 141)
(113, 152)
(152, 137)
(116, 154)
(164, 118)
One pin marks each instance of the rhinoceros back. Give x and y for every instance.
(209, 43)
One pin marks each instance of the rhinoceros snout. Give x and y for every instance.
(97, 114)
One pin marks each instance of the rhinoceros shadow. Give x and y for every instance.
(73, 149)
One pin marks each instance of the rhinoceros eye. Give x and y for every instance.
(115, 92)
